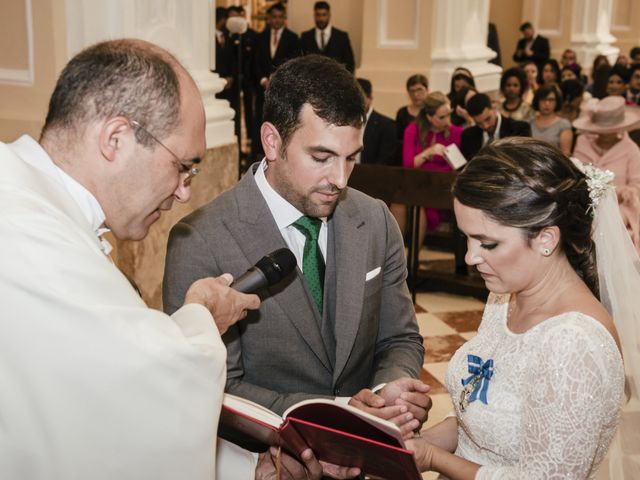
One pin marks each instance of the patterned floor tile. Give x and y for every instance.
(433, 382)
(467, 321)
(431, 326)
(442, 347)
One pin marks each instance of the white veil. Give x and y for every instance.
(619, 280)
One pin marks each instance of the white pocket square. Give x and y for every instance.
(372, 274)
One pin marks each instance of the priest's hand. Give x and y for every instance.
(226, 305)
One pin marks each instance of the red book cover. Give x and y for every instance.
(337, 433)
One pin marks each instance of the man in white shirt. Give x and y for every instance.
(94, 383)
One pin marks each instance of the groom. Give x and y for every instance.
(344, 323)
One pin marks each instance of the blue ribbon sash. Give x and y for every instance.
(481, 373)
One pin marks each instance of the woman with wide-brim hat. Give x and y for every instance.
(604, 142)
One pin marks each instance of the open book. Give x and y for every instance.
(454, 156)
(337, 433)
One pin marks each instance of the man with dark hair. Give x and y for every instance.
(274, 45)
(633, 92)
(343, 322)
(94, 383)
(325, 39)
(246, 43)
(381, 146)
(634, 55)
(531, 47)
(225, 65)
(489, 126)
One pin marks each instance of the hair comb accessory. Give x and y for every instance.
(598, 182)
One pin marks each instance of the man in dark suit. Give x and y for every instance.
(531, 47)
(274, 45)
(379, 141)
(225, 65)
(326, 39)
(247, 43)
(343, 322)
(490, 125)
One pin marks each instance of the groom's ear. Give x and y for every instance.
(547, 240)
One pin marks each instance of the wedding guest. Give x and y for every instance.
(424, 145)
(568, 58)
(573, 95)
(571, 72)
(513, 84)
(606, 144)
(537, 392)
(459, 114)
(460, 78)
(531, 47)
(599, 77)
(617, 81)
(531, 71)
(633, 92)
(417, 90)
(549, 73)
(547, 124)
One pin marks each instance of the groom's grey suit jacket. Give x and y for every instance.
(286, 351)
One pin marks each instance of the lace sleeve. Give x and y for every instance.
(571, 404)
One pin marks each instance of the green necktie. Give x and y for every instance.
(312, 262)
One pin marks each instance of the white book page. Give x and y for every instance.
(252, 409)
(386, 426)
(454, 156)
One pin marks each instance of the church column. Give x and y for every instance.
(185, 28)
(432, 37)
(591, 31)
(459, 39)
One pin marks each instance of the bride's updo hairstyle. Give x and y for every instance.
(528, 184)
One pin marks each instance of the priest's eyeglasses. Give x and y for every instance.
(189, 171)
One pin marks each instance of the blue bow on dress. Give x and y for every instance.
(480, 376)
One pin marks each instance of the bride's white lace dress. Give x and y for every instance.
(552, 402)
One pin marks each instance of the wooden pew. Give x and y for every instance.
(418, 189)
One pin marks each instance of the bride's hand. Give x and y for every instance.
(423, 451)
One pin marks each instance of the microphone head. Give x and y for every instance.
(237, 25)
(277, 265)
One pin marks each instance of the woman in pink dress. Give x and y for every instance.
(425, 141)
(605, 144)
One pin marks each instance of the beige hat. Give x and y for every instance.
(609, 115)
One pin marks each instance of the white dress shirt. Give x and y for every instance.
(285, 215)
(327, 36)
(496, 132)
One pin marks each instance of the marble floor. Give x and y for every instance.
(446, 322)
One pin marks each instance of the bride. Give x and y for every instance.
(537, 392)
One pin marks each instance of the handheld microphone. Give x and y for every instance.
(269, 270)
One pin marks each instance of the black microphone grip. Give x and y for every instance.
(250, 281)
(269, 270)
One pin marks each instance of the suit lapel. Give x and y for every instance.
(349, 235)
(257, 234)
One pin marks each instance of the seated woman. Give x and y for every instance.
(459, 114)
(513, 84)
(424, 144)
(573, 95)
(547, 125)
(417, 90)
(618, 81)
(531, 71)
(537, 392)
(606, 144)
(461, 78)
(550, 73)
